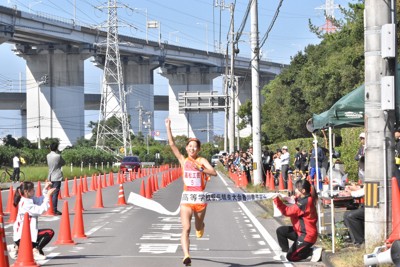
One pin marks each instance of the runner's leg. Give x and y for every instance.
(186, 217)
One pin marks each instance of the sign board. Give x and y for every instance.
(152, 24)
(201, 102)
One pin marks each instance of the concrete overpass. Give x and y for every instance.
(57, 48)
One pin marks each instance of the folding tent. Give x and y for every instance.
(346, 112)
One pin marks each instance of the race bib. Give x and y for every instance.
(192, 178)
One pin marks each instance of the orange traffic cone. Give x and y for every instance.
(99, 199)
(38, 190)
(78, 230)
(25, 253)
(395, 235)
(13, 214)
(111, 179)
(85, 185)
(50, 211)
(66, 190)
(281, 184)
(156, 183)
(149, 193)
(143, 189)
(64, 237)
(74, 187)
(121, 195)
(272, 183)
(290, 183)
(93, 183)
(78, 200)
(3, 245)
(10, 200)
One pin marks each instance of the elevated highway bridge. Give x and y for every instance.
(57, 48)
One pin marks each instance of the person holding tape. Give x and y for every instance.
(196, 173)
(303, 231)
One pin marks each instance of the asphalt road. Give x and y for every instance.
(236, 233)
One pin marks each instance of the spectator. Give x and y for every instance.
(285, 160)
(360, 157)
(355, 219)
(55, 176)
(277, 166)
(246, 166)
(297, 159)
(316, 158)
(303, 231)
(27, 202)
(266, 161)
(304, 161)
(16, 166)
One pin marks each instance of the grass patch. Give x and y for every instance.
(39, 173)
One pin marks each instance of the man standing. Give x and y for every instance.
(16, 166)
(316, 158)
(360, 158)
(285, 158)
(55, 162)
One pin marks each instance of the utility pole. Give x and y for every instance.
(43, 81)
(140, 108)
(221, 5)
(113, 96)
(232, 85)
(147, 125)
(255, 92)
(379, 74)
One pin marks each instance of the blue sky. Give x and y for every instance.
(189, 23)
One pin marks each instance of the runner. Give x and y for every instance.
(196, 172)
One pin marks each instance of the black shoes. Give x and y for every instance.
(57, 212)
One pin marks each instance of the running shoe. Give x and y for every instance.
(200, 233)
(187, 261)
(37, 256)
(316, 254)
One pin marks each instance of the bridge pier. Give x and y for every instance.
(198, 124)
(54, 91)
(139, 84)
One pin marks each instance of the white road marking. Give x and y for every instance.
(157, 248)
(267, 237)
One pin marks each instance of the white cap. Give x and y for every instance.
(362, 135)
(284, 147)
(315, 141)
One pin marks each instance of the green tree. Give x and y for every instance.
(10, 141)
(315, 79)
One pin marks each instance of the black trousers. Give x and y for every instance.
(299, 250)
(354, 220)
(57, 186)
(285, 169)
(15, 175)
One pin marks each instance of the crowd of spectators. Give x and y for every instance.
(278, 162)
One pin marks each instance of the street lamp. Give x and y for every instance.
(201, 23)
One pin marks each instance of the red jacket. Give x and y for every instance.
(303, 215)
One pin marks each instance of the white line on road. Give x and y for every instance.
(267, 237)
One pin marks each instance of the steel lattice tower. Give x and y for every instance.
(113, 97)
(329, 9)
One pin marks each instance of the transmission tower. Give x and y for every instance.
(329, 9)
(113, 124)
